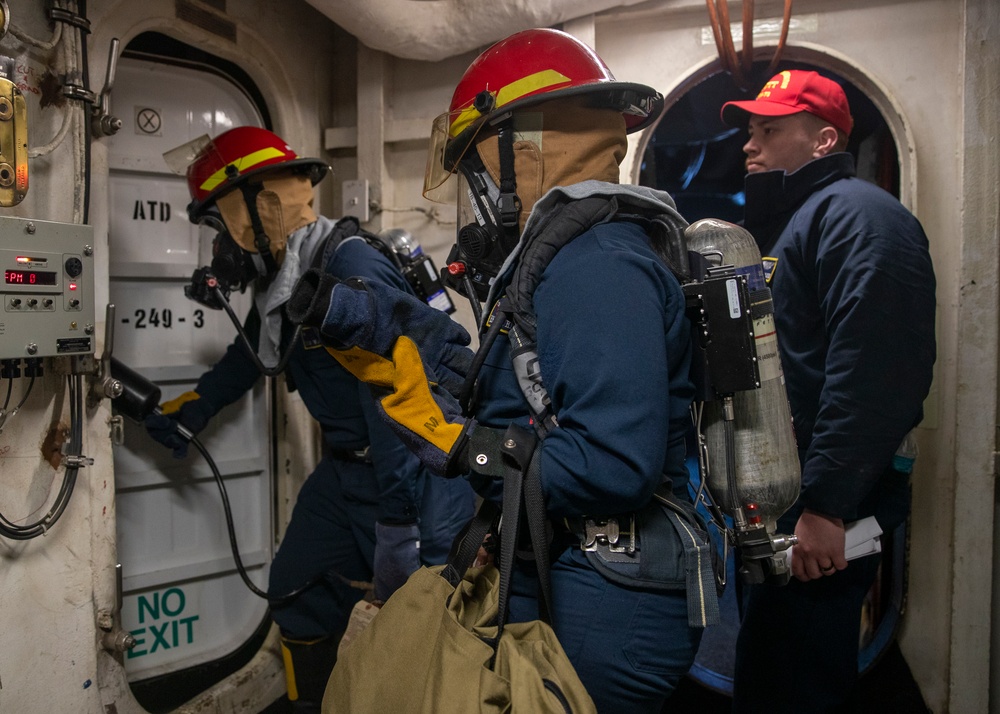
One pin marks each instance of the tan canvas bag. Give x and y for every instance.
(433, 647)
(427, 651)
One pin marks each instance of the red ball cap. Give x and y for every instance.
(791, 92)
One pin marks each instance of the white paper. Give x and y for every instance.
(862, 538)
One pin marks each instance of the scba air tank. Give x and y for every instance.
(766, 461)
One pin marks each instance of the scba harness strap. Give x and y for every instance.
(349, 227)
(664, 546)
(568, 219)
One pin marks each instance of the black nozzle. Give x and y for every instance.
(139, 395)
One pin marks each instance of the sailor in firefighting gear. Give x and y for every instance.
(586, 342)
(369, 511)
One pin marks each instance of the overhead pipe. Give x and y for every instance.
(434, 30)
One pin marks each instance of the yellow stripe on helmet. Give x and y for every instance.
(513, 91)
(245, 163)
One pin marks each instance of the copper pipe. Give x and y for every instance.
(786, 20)
(746, 53)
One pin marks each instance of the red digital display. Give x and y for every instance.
(29, 277)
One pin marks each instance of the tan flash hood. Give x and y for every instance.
(558, 143)
(284, 205)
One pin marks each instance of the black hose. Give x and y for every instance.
(229, 518)
(729, 430)
(273, 600)
(486, 343)
(266, 371)
(470, 293)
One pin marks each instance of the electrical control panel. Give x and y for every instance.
(47, 291)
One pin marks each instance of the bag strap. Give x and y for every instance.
(540, 532)
(522, 488)
(466, 545)
(509, 532)
(522, 494)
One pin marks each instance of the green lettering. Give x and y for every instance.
(154, 609)
(158, 634)
(180, 601)
(189, 621)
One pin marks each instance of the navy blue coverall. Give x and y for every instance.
(614, 352)
(332, 528)
(853, 289)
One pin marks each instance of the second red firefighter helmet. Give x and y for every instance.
(235, 156)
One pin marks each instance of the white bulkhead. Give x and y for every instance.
(357, 83)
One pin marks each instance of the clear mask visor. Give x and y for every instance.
(441, 165)
(179, 158)
(209, 227)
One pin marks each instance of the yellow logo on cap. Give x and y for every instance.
(765, 91)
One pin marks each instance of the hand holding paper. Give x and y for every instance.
(861, 538)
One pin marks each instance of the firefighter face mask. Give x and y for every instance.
(231, 268)
(481, 240)
(283, 203)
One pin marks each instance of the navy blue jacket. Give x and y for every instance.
(614, 353)
(341, 404)
(853, 291)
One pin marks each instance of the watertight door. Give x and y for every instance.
(183, 600)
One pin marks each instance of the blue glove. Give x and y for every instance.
(188, 410)
(370, 315)
(397, 556)
(400, 347)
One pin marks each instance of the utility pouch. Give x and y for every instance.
(664, 546)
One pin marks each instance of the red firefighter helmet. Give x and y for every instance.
(525, 69)
(234, 156)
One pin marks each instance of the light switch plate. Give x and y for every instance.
(356, 199)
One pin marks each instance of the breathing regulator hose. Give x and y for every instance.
(266, 371)
(140, 397)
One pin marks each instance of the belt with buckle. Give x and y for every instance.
(611, 535)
